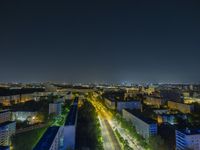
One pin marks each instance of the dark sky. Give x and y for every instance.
(100, 41)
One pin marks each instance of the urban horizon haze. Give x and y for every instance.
(100, 41)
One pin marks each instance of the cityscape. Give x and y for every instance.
(52, 116)
(100, 75)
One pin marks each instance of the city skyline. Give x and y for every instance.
(106, 42)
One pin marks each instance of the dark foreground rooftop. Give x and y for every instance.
(4, 148)
(140, 116)
(71, 118)
(6, 123)
(47, 139)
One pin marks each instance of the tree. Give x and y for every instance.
(40, 117)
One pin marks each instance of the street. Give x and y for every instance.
(109, 140)
(111, 124)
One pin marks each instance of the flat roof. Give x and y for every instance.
(75, 100)
(189, 131)
(47, 138)
(71, 117)
(5, 110)
(141, 117)
(6, 123)
(153, 96)
(55, 103)
(4, 147)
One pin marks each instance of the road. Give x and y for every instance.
(109, 140)
(102, 110)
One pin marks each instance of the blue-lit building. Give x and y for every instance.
(122, 104)
(51, 140)
(7, 130)
(188, 139)
(70, 127)
(131, 104)
(146, 127)
(5, 115)
(4, 147)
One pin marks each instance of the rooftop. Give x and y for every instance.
(4, 147)
(122, 100)
(153, 96)
(6, 123)
(75, 101)
(71, 118)
(141, 117)
(47, 139)
(188, 131)
(130, 100)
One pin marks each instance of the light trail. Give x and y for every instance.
(109, 140)
(105, 113)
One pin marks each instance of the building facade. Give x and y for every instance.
(55, 108)
(110, 103)
(184, 108)
(128, 105)
(155, 101)
(7, 130)
(144, 126)
(5, 115)
(187, 139)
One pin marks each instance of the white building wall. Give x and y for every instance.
(57, 140)
(142, 128)
(5, 116)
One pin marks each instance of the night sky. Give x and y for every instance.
(100, 41)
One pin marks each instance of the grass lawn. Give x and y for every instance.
(27, 140)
